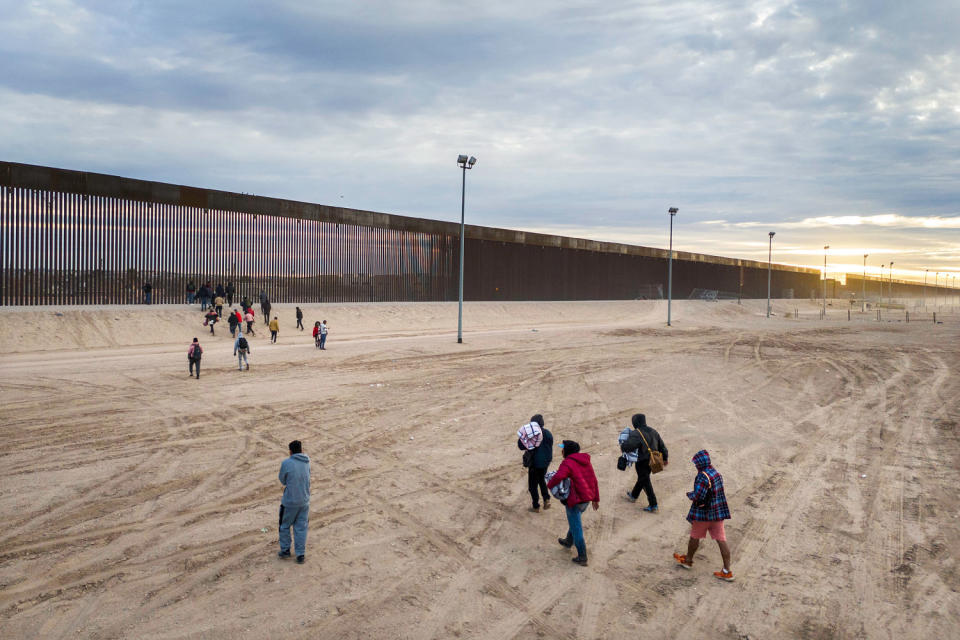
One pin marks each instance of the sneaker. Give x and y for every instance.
(682, 561)
(630, 497)
(723, 575)
(652, 508)
(546, 505)
(564, 543)
(580, 561)
(300, 559)
(283, 555)
(534, 509)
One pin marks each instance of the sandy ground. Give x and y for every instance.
(139, 502)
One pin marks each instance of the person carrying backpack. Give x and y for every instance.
(241, 347)
(232, 321)
(194, 353)
(708, 510)
(537, 460)
(211, 318)
(642, 441)
(249, 320)
(583, 490)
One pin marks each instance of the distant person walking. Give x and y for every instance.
(210, 319)
(240, 349)
(537, 460)
(274, 328)
(295, 504)
(263, 298)
(249, 320)
(191, 292)
(323, 334)
(147, 293)
(230, 290)
(265, 307)
(299, 319)
(708, 510)
(205, 296)
(316, 334)
(641, 442)
(218, 304)
(194, 353)
(220, 292)
(233, 321)
(583, 490)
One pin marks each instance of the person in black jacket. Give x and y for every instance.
(540, 461)
(642, 440)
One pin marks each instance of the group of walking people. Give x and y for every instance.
(574, 483)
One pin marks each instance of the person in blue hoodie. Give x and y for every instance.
(295, 505)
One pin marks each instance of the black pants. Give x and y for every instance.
(230, 299)
(273, 336)
(643, 483)
(250, 327)
(195, 362)
(300, 324)
(535, 478)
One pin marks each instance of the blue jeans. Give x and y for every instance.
(323, 340)
(296, 517)
(190, 297)
(576, 527)
(203, 303)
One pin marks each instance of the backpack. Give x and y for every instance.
(195, 351)
(242, 343)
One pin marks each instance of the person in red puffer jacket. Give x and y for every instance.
(583, 491)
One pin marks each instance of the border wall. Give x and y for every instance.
(71, 237)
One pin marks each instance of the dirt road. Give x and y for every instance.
(139, 502)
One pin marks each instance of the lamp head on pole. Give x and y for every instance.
(672, 211)
(466, 162)
(825, 247)
(772, 233)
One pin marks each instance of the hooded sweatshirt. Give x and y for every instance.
(634, 442)
(295, 476)
(707, 491)
(583, 481)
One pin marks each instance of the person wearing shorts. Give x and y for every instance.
(708, 510)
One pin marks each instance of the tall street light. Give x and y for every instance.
(769, 259)
(465, 163)
(890, 288)
(882, 267)
(863, 301)
(936, 287)
(672, 211)
(925, 273)
(825, 247)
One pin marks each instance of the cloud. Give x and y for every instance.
(808, 118)
(881, 220)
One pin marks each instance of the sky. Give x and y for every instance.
(829, 123)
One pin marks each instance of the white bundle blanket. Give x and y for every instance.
(530, 435)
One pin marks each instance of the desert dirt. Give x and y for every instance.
(137, 502)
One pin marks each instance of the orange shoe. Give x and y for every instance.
(682, 561)
(723, 575)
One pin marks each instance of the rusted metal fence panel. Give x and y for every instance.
(83, 238)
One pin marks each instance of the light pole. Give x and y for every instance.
(863, 302)
(926, 271)
(672, 211)
(882, 267)
(465, 163)
(769, 259)
(890, 288)
(825, 247)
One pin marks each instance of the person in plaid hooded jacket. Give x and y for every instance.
(708, 510)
